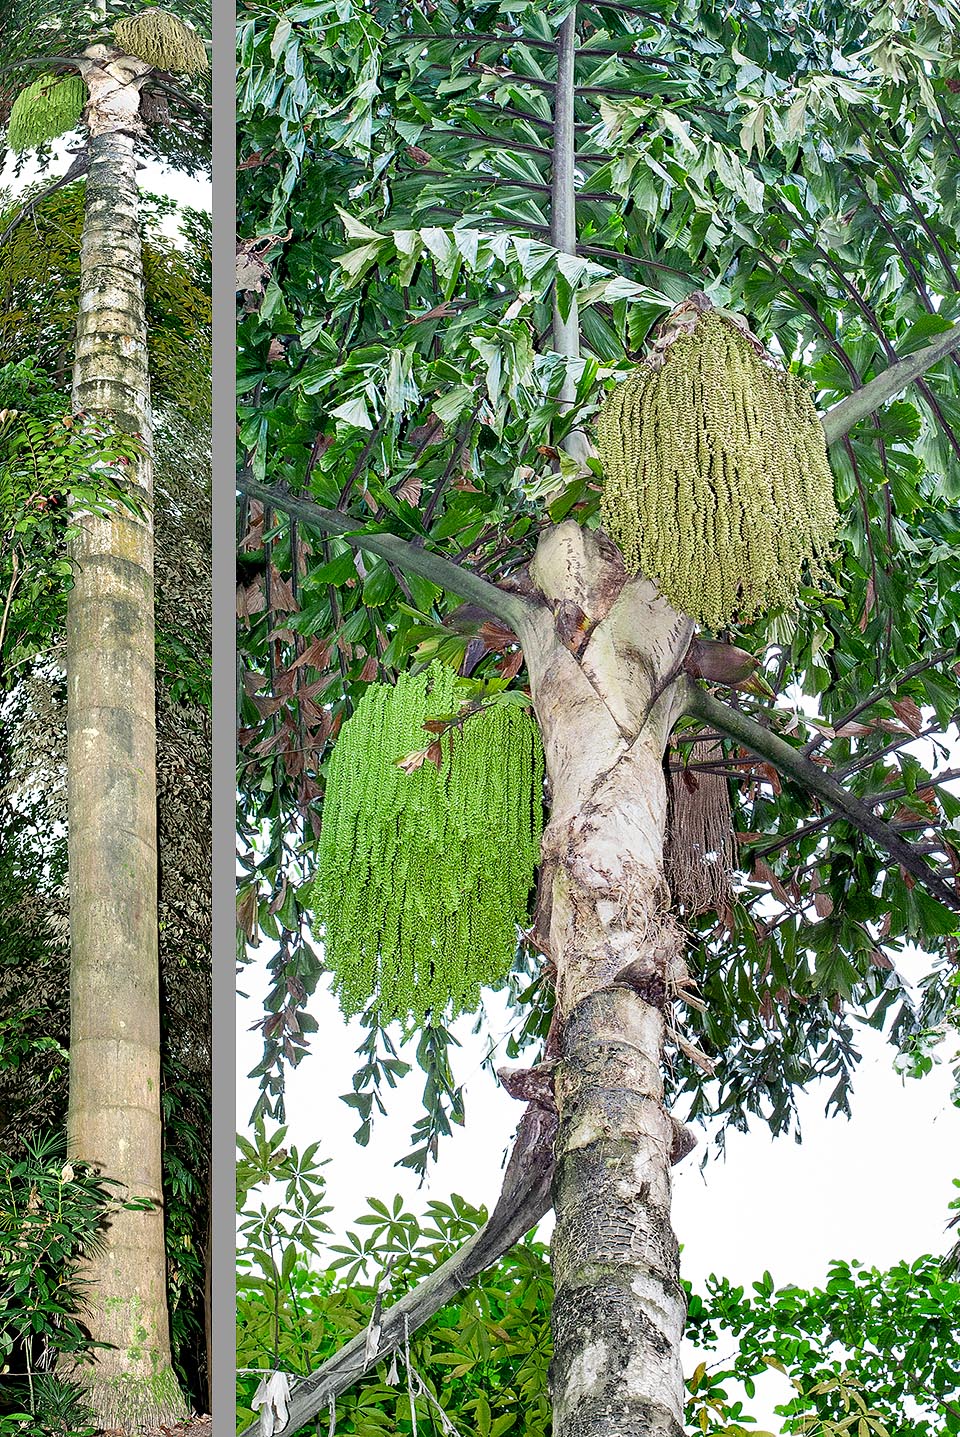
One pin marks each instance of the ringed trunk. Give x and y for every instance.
(114, 1104)
(606, 701)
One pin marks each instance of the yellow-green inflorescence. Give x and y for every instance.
(49, 106)
(163, 40)
(716, 480)
(424, 876)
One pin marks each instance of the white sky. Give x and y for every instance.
(155, 178)
(804, 1208)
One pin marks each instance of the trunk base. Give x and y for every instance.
(131, 1403)
(619, 1306)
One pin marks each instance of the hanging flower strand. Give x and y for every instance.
(716, 480)
(426, 861)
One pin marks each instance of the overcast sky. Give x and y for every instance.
(154, 178)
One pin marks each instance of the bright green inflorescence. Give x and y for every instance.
(44, 109)
(163, 40)
(716, 479)
(424, 876)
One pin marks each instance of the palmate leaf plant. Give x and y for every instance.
(462, 227)
(880, 1345)
(274, 1235)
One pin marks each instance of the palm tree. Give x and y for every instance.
(114, 1116)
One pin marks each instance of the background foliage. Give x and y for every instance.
(51, 1213)
(39, 288)
(49, 459)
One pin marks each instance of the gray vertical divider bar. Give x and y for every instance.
(223, 1402)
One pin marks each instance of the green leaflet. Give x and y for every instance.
(717, 484)
(44, 109)
(423, 878)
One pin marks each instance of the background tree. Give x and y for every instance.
(113, 72)
(522, 198)
(53, 1212)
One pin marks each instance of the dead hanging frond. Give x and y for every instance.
(700, 855)
(163, 40)
(154, 108)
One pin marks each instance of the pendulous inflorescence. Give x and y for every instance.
(716, 480)
(424, 872)
(163, 40)
(46, 108)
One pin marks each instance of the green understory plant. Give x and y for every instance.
(52, 1213)
(869, 1352)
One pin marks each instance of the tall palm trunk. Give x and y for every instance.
(605, 702)
(114, 1111)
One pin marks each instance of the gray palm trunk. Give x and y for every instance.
(606, 714)
(114, 1107)
(606, 710)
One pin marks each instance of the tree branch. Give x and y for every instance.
(78, 167)
(69, 62)
(952, 651)
(508, 143)
(816, 825)
(169, 88)
(512, 608)
(802, 770)
(475, 40)
(524, 1199)
(506, 182)
(839, 420)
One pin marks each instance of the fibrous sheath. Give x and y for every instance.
(424, 876)
(716, 480)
